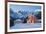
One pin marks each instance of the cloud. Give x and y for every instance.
(37, 10)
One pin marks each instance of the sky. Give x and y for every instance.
(16, 8)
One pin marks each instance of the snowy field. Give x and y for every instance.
(23, 26)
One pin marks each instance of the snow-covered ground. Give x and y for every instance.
(26, 25)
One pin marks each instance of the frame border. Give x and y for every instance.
(6, 1)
